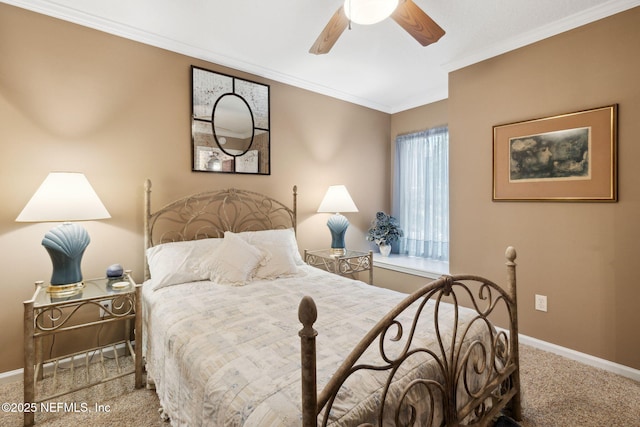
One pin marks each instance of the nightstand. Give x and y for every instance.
(345, 265)
(99, 302)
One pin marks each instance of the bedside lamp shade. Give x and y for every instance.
(336, 200)
(65, 197)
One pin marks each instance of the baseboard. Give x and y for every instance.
(18, 374)
(11, 376)
(587, 359)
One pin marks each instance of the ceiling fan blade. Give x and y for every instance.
(417, 23)
(331, 32)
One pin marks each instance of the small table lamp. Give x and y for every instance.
(64, 197)
(337, 200)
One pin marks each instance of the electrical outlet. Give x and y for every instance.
(106, 305)
(541, 302)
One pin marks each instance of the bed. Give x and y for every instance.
(238, 331)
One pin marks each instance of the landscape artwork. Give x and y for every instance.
(551, 156)
(570, 157)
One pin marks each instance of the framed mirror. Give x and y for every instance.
(229, 124)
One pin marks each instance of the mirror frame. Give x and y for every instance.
(208, 154)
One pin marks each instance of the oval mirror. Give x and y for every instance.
(233, 125)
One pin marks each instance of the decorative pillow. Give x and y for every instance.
(283, 240)
(235, 261)
(279, 262)
(181, 262)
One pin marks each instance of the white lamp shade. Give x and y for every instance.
(64, 196)
(337, 199)
(367, 12)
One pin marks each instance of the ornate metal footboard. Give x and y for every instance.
(475, 366)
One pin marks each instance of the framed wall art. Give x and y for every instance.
(569, 157)
(229, 124)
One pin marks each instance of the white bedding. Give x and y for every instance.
(225, 355)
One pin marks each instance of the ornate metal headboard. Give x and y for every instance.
(211, 213)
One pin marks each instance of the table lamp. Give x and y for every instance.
(336, 200)
(65, 197)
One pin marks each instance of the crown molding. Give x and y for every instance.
(579, 19)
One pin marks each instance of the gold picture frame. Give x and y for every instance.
(566, 158)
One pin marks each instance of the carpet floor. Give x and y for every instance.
(556, 392)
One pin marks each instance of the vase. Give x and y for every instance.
(385, 250)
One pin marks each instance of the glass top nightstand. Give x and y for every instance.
(92, 289)
(345, 265)
(50, 312)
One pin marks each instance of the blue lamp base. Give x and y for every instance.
(66, 245)
(338, 225)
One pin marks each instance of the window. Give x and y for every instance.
(421, 193)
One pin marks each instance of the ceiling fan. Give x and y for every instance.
(405, 12)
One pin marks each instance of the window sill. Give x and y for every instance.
(412, 265)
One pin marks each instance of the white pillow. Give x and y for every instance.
(235, 261)
(279, 262)
(282, 239)
(180, 262)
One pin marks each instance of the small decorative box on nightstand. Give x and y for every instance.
(345, 265)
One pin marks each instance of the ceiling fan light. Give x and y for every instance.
(367, 12)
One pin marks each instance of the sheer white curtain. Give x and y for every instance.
(421, 193)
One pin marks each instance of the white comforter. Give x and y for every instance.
(229, 356)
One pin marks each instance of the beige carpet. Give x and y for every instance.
(557, 392)
(119, 404)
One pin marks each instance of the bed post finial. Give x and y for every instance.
(510, 254)
(515, 404)
(307, 314)
(147, 234)
(295, 209)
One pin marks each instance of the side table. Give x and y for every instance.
(348, 264)
(49, 313)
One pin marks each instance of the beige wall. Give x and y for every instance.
(72, 98)
(582, 256)
(419, 118)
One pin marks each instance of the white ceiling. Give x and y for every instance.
(378, 66)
